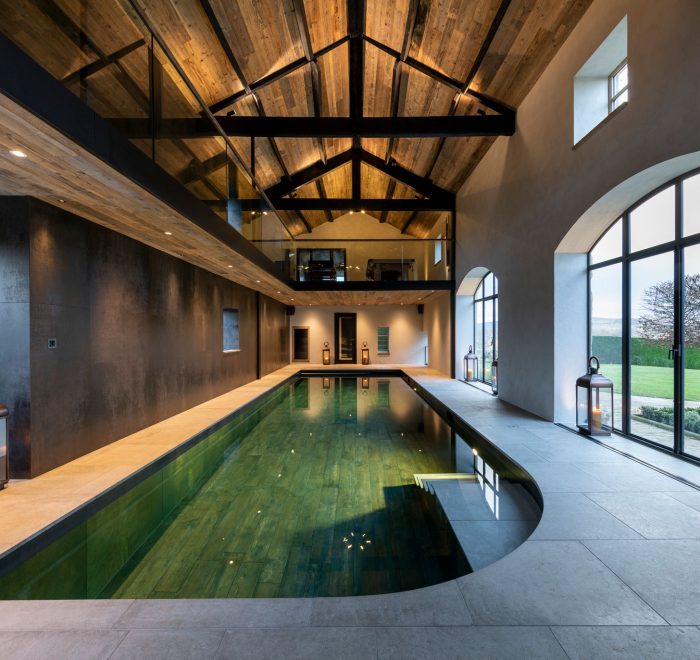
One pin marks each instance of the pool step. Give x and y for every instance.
(423, 480)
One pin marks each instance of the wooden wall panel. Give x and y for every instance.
(263, 35)
(327, 21)
(386, 21)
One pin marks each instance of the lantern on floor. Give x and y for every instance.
(494, 377)
(594, 401)
(365, 353)
(471, 365)
(326, 353)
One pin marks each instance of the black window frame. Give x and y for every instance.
(626, 259)
(493, 299)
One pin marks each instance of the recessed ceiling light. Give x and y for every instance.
(291, 298)
(351, 212)
(18, 153)
(168, 233)
(264, 212)
(257, 281)
(63, 201)
(230, 266)
(362, 211)
(279, 292)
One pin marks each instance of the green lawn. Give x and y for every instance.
(654, 381)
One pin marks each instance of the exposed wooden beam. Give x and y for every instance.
(226, 46)
(323, 195)
(452, 83)
(92, 68)
(356, 60)
(400, 74)
(483, 50)
(315, 72)
(308, 175)
(420, 184)
(338, 127)
(274, 76)
(408, 222)
(349, 204)
(391, 187)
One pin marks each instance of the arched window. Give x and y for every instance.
(644, 315)
(486, 325)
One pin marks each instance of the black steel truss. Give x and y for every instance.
(429, 195)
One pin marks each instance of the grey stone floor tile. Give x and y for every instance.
(486, 541)
(653, 515)
(629, 642)
(441, 605)
(571, 516)
(301, 643)
(61, 614)
(170, 644)
(223, 613)
(552, 583)
(60, 644)
(666, 574)
(691, 498)
(564, 478)
(571, 451)
(633, 477)
(482, 643)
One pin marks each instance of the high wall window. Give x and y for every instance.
(486, 325)
(618, 87)
(601, 85)
(438, 250)
(232, 340)
(644, 292)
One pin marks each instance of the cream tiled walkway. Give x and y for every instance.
(612, 570)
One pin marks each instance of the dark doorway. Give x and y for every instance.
(345, 338)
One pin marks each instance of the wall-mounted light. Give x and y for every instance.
(18, 153)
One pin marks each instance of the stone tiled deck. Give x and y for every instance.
(611, 571)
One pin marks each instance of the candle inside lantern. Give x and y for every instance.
(470, 374)
(596, 420)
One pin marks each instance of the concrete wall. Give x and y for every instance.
(530, 190)
(438, 327)
(406, 337)
(139, 337)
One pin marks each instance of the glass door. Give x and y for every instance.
(652, 358)
(691, 351)
(345, 338)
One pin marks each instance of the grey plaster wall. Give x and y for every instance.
(139, 336)
(530, 189)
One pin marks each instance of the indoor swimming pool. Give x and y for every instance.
(330, 485)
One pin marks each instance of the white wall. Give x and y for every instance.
(530, 189)
(406, 337)
(438, 327)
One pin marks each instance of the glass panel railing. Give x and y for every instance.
(106, 55)
(399, 260)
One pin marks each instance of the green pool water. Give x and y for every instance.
(310, 494)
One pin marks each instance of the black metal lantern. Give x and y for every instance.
(326, 353)
(595, 414)
(494, 376)
(365, 353)
(471, 365)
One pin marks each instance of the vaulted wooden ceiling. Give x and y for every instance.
(292, 58)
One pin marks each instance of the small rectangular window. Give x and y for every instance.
(438, 249)
(618, 87)
(383, 341)
(231, 330)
